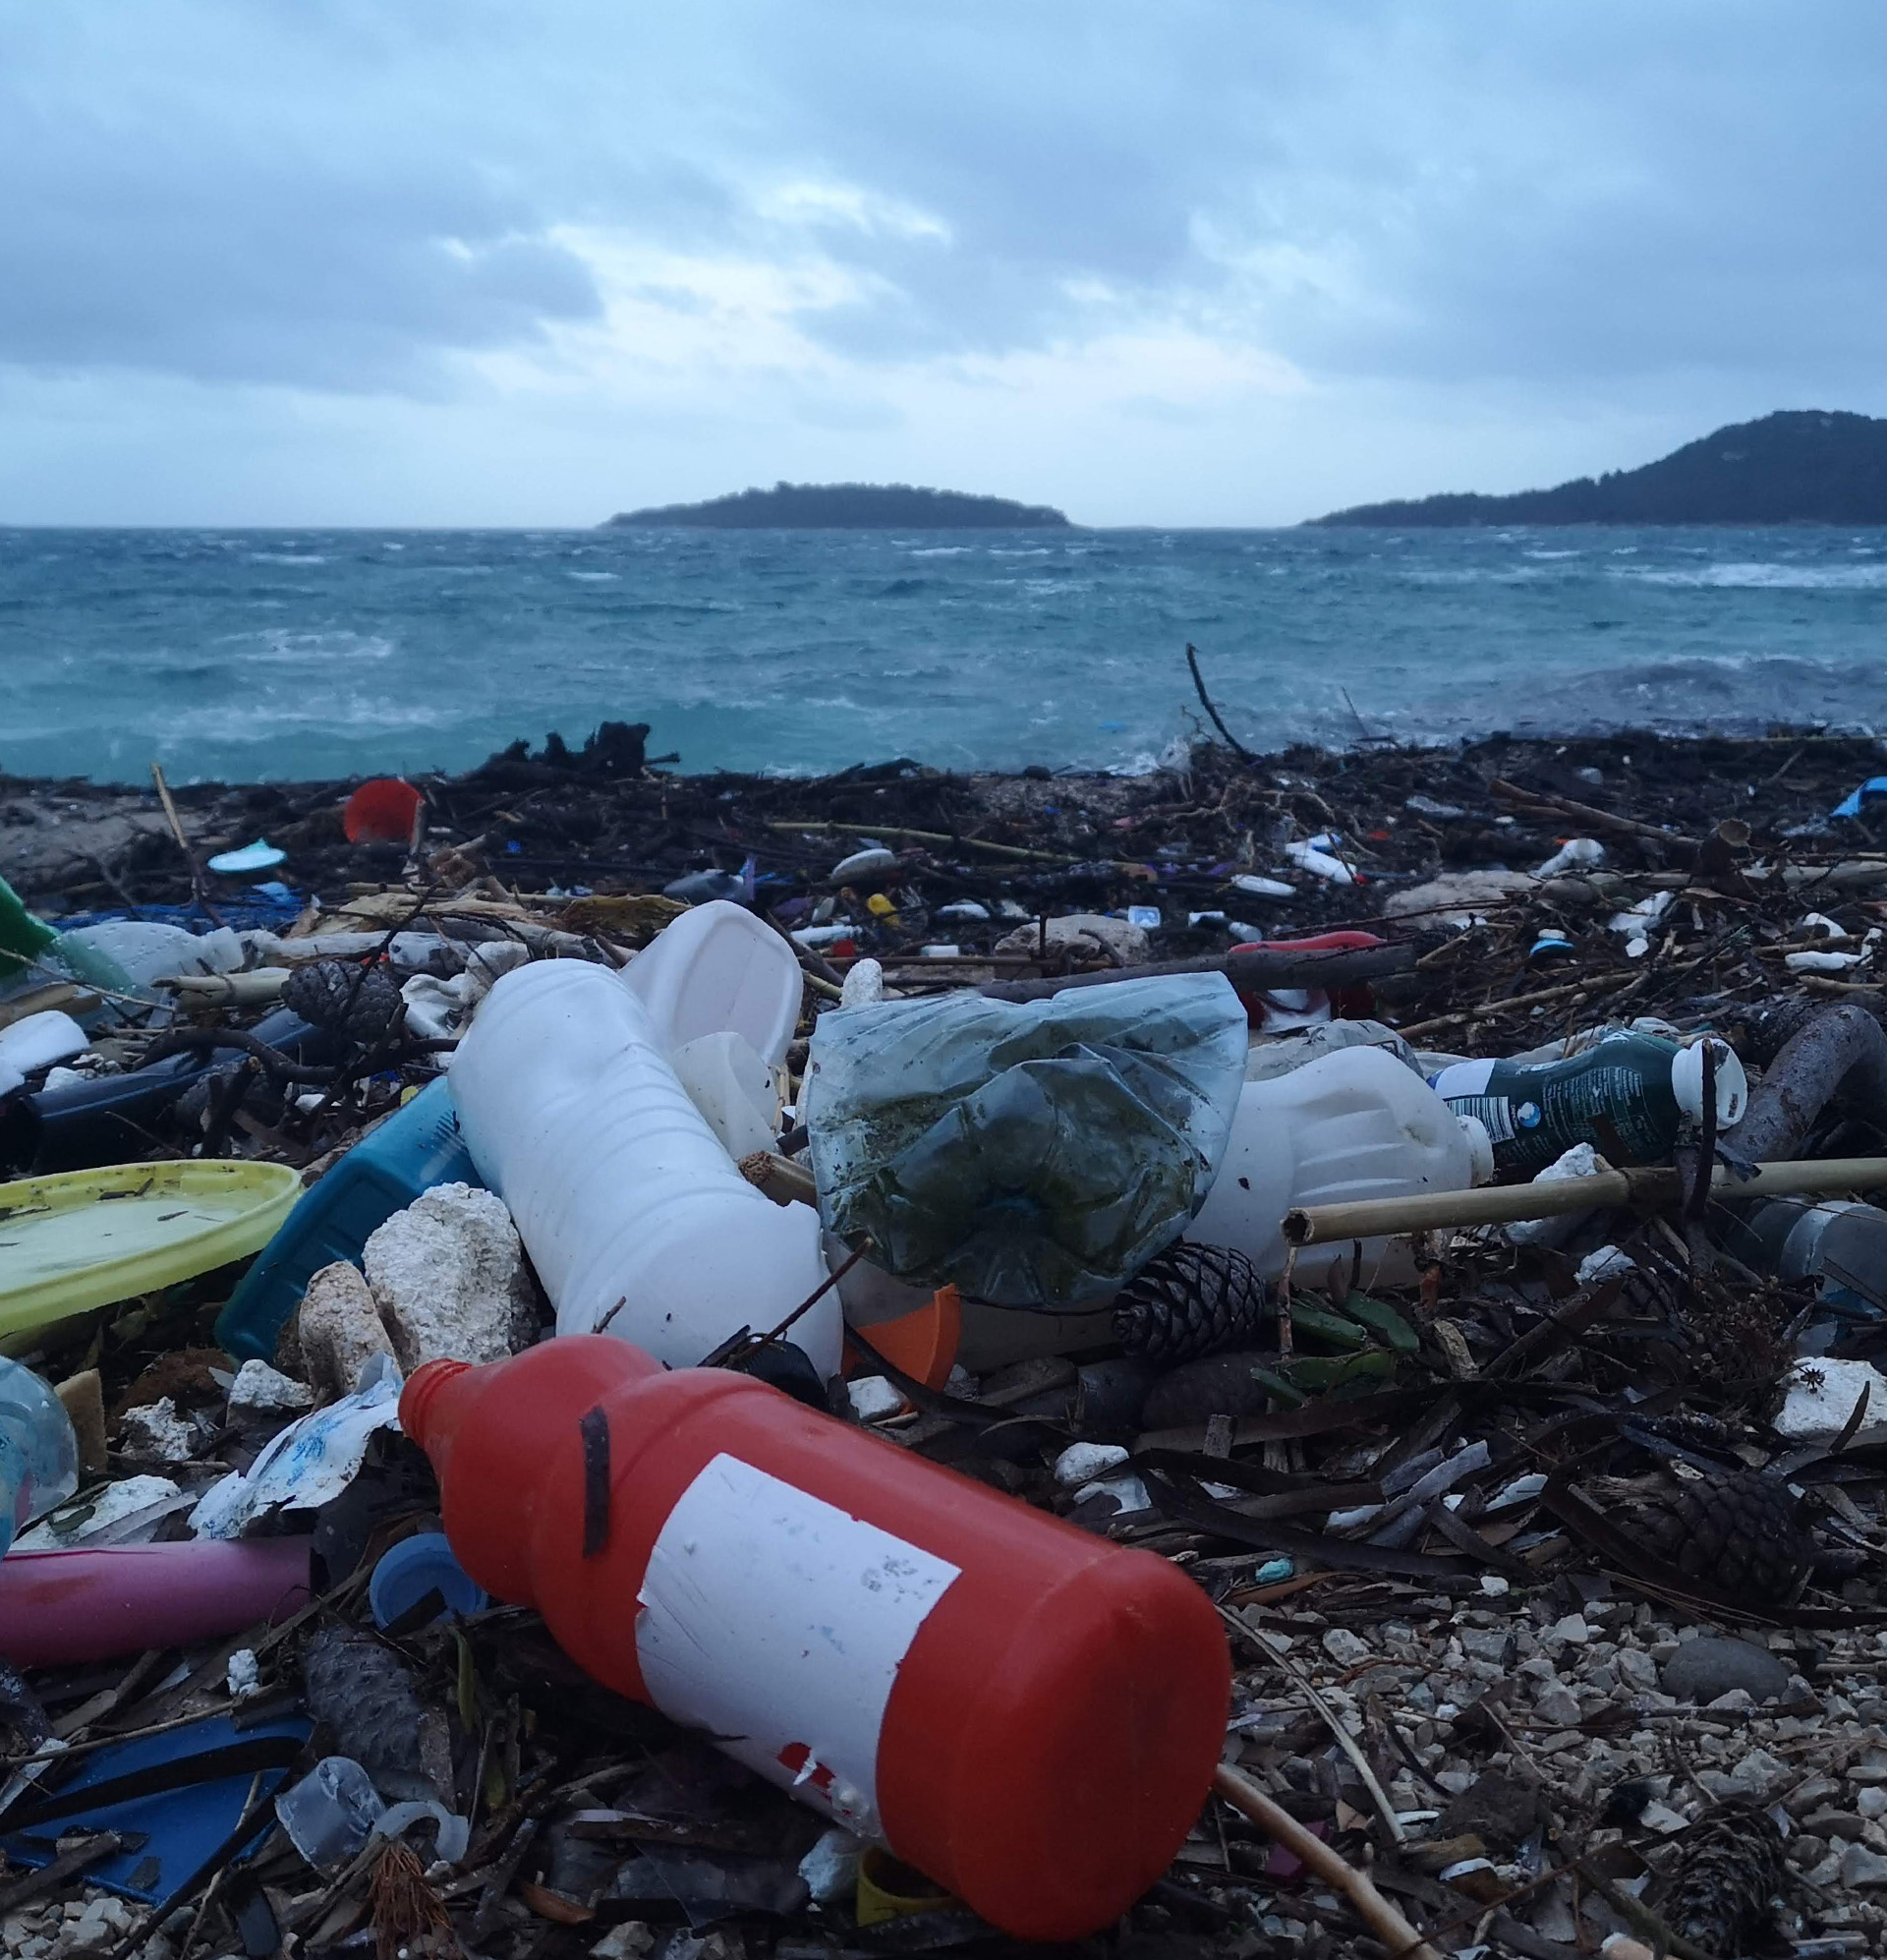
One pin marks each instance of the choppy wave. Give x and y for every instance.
(806, 651)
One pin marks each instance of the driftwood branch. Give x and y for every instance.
(1383, 1919)
(1205, 701)
(1261, 967)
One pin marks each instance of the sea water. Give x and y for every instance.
(277, 654)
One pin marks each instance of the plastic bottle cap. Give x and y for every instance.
(1733, 1085)
(1480, 1145)
(421, 1564)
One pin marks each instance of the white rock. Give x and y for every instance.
(627, 1942)
(864, 985)
(155, 1431)
(831, 1867)
(1571, 1631)
(1458, 897)
(1128, 1493)
(1558, 1705)
(1344, 1646)
(263, 1389)
(447, 1275)
(99, 1516)
(1086, 933)
(1082, 1463)
(1494, 1585)
(872, 1396)
(1821, 1394)
(1607, 1263)
(340, 1330)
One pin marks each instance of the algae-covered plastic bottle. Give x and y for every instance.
(1639, 1087)
(39, 1452)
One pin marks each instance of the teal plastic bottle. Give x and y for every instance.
(414, 1149)
(1641, 1086)
(38, 1453)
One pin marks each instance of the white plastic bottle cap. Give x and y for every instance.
(1733, 1085)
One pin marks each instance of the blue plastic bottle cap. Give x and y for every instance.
(415, 1567)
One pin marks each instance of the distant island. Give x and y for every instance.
(850, 507)
(1799, 466)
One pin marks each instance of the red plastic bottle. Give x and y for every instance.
(1028, 1714)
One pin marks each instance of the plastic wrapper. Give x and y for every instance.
(1033, 1155)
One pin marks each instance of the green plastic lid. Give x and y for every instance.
(85, 1239)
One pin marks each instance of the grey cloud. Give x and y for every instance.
(1418, 191)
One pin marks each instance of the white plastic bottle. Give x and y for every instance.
(1356, 1125)
(718, 970)
(632, 1210)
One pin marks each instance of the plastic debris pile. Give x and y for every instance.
(1287, 1353)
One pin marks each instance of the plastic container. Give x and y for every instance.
(1642, 1087)
(421, 1564)
(630, 1209)
(382, 812)
(1278, 1009)
(110, 1119)
(35, 1042)
(718, 970)
(79, 1239)
(1841, 1243)
(418, 1146)
(39, 1452)
(1026, 1713)
(100, 1602)
(330, 1814)
(735, 1089)
(1356, 1123)
(148, 950)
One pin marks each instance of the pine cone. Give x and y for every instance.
(1741, 1535)
(1730, 1872)
(1191, 1300)
(360, 1002)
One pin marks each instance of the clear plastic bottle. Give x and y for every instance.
(39, 1452)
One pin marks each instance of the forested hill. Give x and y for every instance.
(1799, 466)
(850, 507)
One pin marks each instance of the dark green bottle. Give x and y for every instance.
(1643, 1087)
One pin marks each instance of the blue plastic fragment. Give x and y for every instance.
(1850, 805)
(173, 1833)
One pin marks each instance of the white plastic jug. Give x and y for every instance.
(735, 1089)
(1358, 1123)
(148, 950)
(630, 1209)
(718, 970)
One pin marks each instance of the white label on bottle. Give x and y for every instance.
(1462, 1078)
(777, 1622)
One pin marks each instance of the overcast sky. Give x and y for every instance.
(1206, 262)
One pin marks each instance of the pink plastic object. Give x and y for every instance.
(98, 1604)
(382, 812)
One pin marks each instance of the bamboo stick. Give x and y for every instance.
(1507, 1204)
